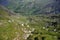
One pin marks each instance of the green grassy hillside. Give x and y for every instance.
(10, 26)
(18, 27)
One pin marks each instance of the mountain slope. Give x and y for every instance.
(3, 13)
(18, 27)
(27, 6)
(10, 25)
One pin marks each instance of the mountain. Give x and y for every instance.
(4, 9)
(5, 13)
(18, 27)
(53, 7)
(10, 25)
(28, 7)
(4, 2)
